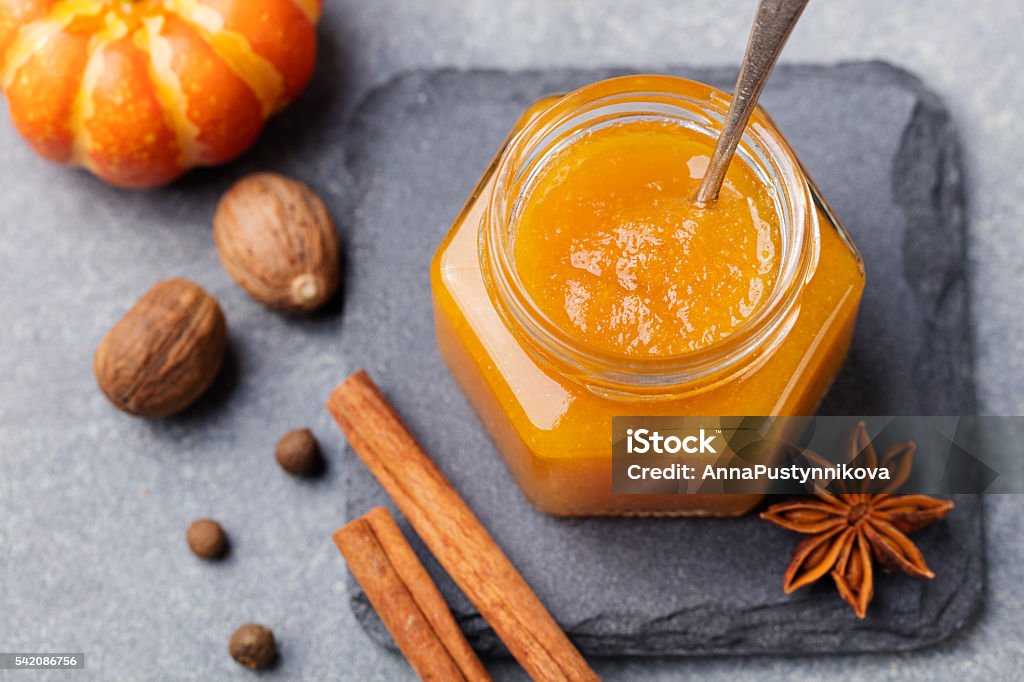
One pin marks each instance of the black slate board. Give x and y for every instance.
(885, 154)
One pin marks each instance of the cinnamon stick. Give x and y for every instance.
(406, 599)
(453, 533)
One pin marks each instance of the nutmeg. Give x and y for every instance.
(276, 238)
(253, 646)
(165, 352)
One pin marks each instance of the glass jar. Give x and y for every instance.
(547, 397)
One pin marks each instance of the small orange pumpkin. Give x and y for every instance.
(139, 91)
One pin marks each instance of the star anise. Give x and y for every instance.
(851, 529)
(847, 531)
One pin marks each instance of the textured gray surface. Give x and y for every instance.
(95, 589)
(416, 147)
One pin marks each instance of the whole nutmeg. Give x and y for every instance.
(206, 539)
(277, 240)
(298, 453)
(165, 352)
(253, 646)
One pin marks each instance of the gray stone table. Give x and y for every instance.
(968, 51)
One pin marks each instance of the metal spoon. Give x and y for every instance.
(773, 23)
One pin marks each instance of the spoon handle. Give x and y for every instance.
(773, 23)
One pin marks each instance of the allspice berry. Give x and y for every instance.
(165, 351)
(206, 539)
(277, 240)
(298, 453)
(253, 646)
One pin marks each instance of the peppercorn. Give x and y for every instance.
(298, 453)
(206, 539)
(253, 646)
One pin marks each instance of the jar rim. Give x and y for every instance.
(606, 103)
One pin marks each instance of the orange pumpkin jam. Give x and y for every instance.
(612, 247)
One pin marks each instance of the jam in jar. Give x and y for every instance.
(581, 282)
